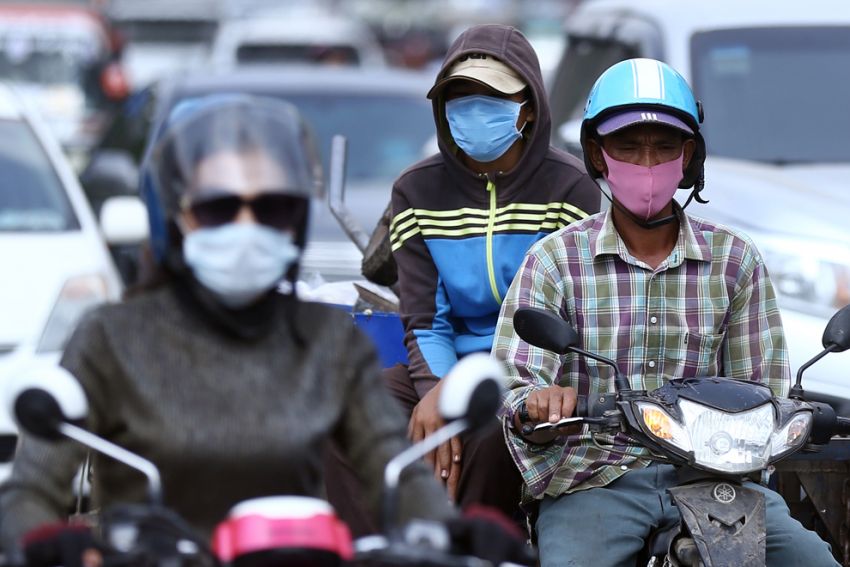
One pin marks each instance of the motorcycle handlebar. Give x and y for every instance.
(842, 426)
(579, 417)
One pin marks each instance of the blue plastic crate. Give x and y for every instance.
(385, 330)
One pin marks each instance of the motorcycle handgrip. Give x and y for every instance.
(579, 416)
(842, 426)
(825, 423)
(580, 411)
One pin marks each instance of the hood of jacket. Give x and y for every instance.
(509, 45)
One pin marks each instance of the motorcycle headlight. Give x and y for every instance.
(77, 296)
(725, 442)
(663, 427)
(792, 434)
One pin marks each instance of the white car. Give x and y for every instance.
(771, 76)
(55, 262)
(293, 36)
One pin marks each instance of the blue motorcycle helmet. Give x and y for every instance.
(199, 127)
(638, 91)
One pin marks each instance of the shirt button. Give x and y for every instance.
(624, 468)
(651, 364)
(653, 319)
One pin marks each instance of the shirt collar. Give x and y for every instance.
(690, 244)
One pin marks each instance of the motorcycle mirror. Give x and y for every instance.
(836, 336)
(45, 397)
(548, 330)
(472, 390)
(49, 402)
(544, 329)
(470, 394)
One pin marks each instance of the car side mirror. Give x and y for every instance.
(836, 336)
(124, 220)
(110, 173)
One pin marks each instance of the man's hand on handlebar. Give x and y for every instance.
(550, 405)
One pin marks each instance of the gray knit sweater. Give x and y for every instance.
(224, 419)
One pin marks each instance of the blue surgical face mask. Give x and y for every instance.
(239, 262)
(484, 127)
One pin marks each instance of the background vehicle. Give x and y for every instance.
(55, 262)
(383, 113)
(776, 127)
(295, 36)
(163, 37)
(63, 58)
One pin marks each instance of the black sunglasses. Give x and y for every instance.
(272, 208)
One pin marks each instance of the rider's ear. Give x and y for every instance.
(596, 157)
(688, 149)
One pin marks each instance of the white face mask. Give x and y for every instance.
(239, 262)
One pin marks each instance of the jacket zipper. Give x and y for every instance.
(491, 270)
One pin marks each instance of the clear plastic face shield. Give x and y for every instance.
(230, 159)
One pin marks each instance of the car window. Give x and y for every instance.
(164, 30)
(296, 53)
(585, 58)
(37, 56)
(385, 133)
(32, 198)
(776, 95)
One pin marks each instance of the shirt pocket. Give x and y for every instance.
(693, 354)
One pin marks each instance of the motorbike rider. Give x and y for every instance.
(461, 221)
(229, 386)
(662, 293)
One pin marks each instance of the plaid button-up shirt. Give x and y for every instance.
(707, 310)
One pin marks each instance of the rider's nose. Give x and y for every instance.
(244, 215)
(649, 156)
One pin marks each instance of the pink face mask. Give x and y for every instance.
(644, 191)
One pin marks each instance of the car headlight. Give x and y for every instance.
(807, 276)
(78, 295)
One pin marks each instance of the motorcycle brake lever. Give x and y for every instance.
(546, 426)
(604, 422)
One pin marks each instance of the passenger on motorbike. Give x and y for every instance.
(229, 387)
(495, 161)
(662, 293)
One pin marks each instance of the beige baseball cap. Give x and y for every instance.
(484, 69)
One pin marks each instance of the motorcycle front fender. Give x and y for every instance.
(726, 521)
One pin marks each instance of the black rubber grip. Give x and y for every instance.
(842, 425)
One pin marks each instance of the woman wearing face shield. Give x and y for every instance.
(227, 385)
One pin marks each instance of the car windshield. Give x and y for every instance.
(46, 59)
(32, 198)
(266, 53)
(775, 95)
(163, 30)
(385, 133)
